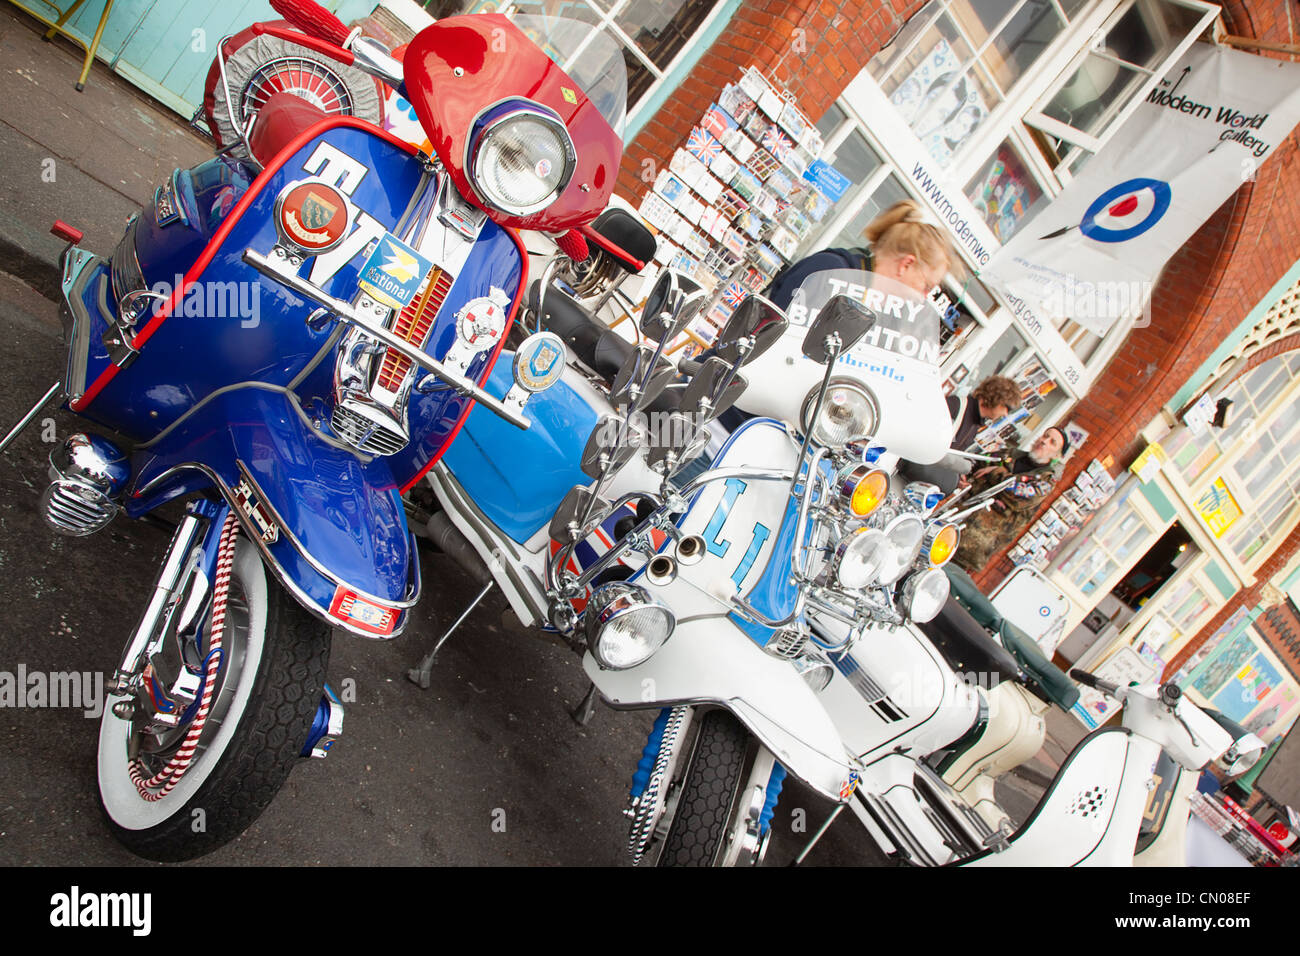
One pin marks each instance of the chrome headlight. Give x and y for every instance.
(849, 412)
(520, 161)
(923, 595)
(625, 626)
(860, 557)
(906, 534)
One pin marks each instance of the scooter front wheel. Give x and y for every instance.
(267, 694)
(708, 820)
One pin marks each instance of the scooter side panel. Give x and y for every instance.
(1091, 813)
(518, 478)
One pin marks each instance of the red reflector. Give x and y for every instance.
(66, 232)
(360, 613)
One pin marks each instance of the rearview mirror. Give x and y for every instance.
(840, 324)
(667, 307)
(755, 319)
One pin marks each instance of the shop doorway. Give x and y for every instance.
(1154, 569)
(1171, 552)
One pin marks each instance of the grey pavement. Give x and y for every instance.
(89, 158)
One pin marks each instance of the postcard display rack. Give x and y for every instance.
(733, 205)
(1068, 512)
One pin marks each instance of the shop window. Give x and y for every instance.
(651, 35)
(881, 198)
(1105, 83)
(953, 64)
(1118, 532)
(1003, 192)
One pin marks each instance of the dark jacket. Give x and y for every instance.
(786, 282)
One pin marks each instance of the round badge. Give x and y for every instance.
(1126, 211)
(312, 216)
(543, 168)
(539, 363)
(481, 322)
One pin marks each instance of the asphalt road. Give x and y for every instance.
(419, 777)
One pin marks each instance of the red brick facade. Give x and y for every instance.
(814, 49)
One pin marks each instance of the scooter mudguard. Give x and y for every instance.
(330, 523)
(518, 478)
(710, 661)
(1091, 813)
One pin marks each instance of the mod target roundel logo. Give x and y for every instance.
(1127, 210)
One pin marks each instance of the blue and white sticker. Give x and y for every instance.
(394, 272)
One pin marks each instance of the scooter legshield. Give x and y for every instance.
(329, 522)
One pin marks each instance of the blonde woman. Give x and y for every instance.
(904, 245)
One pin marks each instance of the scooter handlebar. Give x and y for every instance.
(313, 19)
(1093, 681)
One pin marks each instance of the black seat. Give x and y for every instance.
(967, 646)
(597, 345)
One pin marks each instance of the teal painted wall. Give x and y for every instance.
(153, 42)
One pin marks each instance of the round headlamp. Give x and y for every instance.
(520, 162)
(860, 557)
(923, 595)
(848, 412)
(862, 489)
(625, 626)
(905, 534)
(940, 543)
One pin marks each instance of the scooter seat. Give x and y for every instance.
(594, 343)
(1051, 681)
(967, 646)
(283, 119)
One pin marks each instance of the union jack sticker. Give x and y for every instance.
(849, 785)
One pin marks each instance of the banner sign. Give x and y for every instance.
(1094, 253)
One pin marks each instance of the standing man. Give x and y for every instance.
(998, 525)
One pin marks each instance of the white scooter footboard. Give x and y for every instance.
(711, 661)
(1091, 813)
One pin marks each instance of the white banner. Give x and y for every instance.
(1094, 253)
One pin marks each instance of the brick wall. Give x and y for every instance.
(1204, 293)
(812, 48)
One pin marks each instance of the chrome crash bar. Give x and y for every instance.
(279, 269)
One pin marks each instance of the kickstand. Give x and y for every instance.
(583, 713)
(818, 835)
(421, 673)
(32, 413)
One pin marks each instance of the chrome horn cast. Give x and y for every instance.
(87, 476)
